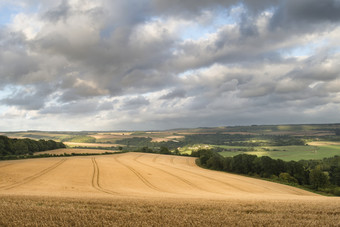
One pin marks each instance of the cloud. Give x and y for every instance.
(134, 103)
(162, 64)
(24, 100)
(178, 93)
(60, 12)
(306, 14)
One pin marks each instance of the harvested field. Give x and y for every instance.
(135, 189)
(324, 143)
(165, 139)
(74, 150)
(132, 174)
(74, 144)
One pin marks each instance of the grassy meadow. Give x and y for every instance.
(288, 153)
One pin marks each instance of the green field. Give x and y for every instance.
(288, 153)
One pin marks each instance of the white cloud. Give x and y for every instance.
(29, 24)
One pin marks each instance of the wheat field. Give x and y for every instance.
(136, 189)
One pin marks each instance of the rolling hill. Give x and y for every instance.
(141, 189)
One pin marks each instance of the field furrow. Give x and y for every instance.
(5, 165)
(243, 184)
(33, 177)
(194, 186)
(200, 175)
(140, 176)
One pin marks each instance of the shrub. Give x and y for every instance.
(336, 191)
(287, 178)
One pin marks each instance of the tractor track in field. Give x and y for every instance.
(131, 175)
(95, 179)
(234, 178)
(187, 159)
(9, 164)
(191, 164)
(173, 175)
(140, 176)
(155, 158)
(33, 177)
(238, 179)
(206, 177)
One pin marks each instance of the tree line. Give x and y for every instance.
(216, 139)
(161, 150)
(10, 146)
(143, 142)
(244, 140)
(322, 175)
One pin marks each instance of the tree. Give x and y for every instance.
(26, 146)
(335, 175)
(297, 170)
(318, 179)
(268, 166)
(164, 150)
(32, 145)
(20, 147)
(227, 164)
(146, 150)
(6, 147)
(337, 132)
(215, 162)
(177, 152)
(243, 163)
(204, 155)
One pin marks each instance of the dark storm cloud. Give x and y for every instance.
(192, 7)
(30, 99)
(306, 13)
(60, 12)
(15, 63)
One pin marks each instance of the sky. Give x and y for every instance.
(160, 64)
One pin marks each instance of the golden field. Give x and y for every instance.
(74, 151)
(136, 189)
